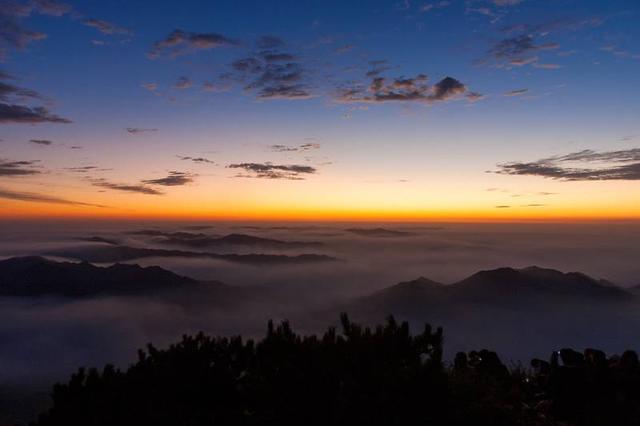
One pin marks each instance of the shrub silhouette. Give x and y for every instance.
(361, 376)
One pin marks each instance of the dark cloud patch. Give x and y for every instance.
(141, 189)
(44, 142)
(269, 42)
(14, 110)
(273, 171)
(447, 88)
(51, 7)
(516, 92)
(9, 92)
(13, 34)
(474, 96)
(199, 160)
(272, 73)
(506, 2)
(183, 83)
(284, 91)
(269, 56)
(180, 42)
(427, 7)
(553, 26)
(5, 76)
(209, 86)
(299, 148)
(40, 198)
(10, 113)
(414, 89)
(18, 168)
(82, 169)
(518, 50)
(152, 87)
(173, 179)
(138, 130)
(584, 165)
(344, 49)
(106, 27)
(278, 81)
(378, 66)
(503, 207)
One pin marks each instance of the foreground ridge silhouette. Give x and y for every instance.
(362, 376)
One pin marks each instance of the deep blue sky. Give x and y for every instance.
(530, 80)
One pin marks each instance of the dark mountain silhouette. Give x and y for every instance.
(190, 239)
(158, 233)
(536, 285)
(516, 311)
(37, 276)
(111, 253)
(98, 240)
(504, 286)
(378, 232)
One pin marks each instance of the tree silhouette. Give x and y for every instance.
(359, 376)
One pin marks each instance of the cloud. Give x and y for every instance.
(18, 168)
(273, 171)
(619, 52)
(277, 56)
(200, 160)
(474, 96)
(10, 92)
(519, 62)
(180, 42)
(506, 2)
(23, 114)
(584, 165)
(273, 74)
(5, 76)
(518, 50)
(209, 86)
(447, 88)
(427, 7)
(547, 66)
(269, 42)
(45, 142)
(183, 83)
(152, 87)
(516, 92)
(275, 80)
(415, 89)
(105, 27)
(299, 148)
(13, 35)
(137, 130)
(141, 189)
(51, 7)
(13, 110)
(344, 49)
(40, 198)
(173, 179)
(82, 169)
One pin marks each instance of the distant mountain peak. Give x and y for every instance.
(38, 276)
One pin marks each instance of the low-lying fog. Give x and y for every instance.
(45, 339)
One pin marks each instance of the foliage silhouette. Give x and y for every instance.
(361, 376)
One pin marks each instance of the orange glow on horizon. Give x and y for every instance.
(320, 215)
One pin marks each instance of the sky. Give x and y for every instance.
(384, 110)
